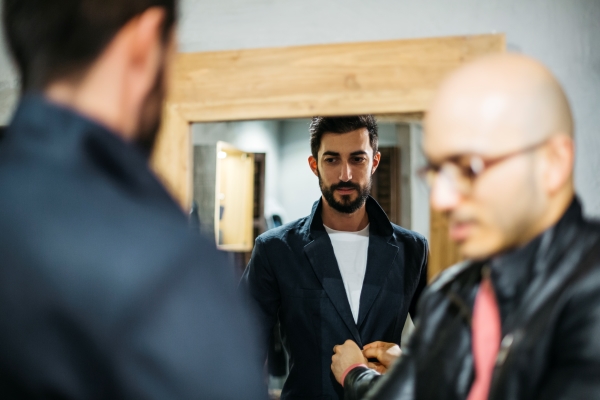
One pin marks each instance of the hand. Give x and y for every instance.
(345, 355)
(385, 353)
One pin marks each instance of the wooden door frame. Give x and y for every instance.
(395, 77)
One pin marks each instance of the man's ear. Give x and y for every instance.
(376, 159)
(312, 163)
(147, 29)
(145, 48)
(560, 157)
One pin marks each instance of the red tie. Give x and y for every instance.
(486, 339)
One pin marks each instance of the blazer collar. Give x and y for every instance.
(64, 135)
(380, 225)
(381, 256)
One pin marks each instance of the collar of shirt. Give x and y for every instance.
(511, 274)
(345, 234)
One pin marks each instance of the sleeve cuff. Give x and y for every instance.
(350, 368)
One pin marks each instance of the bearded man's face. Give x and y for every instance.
(345, 168)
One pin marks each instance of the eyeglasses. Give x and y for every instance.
(463, 170)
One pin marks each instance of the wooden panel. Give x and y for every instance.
(387, 184)
(234, 221)
(172, 156)
(393, 77)
(444, 253)
(374, 77)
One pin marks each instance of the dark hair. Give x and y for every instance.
(321, 125)
(53, 39)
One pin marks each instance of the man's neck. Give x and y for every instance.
(339, 221)
(99, 94)
(551, 216)
(555, 210)
(79, 100)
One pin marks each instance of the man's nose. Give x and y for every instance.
(345, 173)
(444, 195)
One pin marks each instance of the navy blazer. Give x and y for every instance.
(104, 291)
(293, 275)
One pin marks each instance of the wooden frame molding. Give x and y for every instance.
(392, 77)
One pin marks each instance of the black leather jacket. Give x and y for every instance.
(551, 341)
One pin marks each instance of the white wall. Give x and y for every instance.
(419, 192)
(564, 34)
(9, 86)
(299, 187)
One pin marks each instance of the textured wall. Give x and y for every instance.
(564, 34)
(8, 82)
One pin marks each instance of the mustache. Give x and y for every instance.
(458, 217)
(345, 185)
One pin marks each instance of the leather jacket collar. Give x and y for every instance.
(514, 271)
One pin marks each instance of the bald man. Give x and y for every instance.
(520, 319)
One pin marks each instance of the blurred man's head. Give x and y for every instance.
(498, 137)
(344, 157)
(106, 58)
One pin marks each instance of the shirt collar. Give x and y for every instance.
(379, 224)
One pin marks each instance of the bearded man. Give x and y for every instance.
(104, 291)
(343, 272)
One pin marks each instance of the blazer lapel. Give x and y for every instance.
(322, 259)
(380, 258)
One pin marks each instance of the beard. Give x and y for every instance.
(346, 205)
(151, 113)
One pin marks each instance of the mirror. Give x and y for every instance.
(263, 85)
(250, 176)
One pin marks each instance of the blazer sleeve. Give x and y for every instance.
(422, 284)
(259, 285)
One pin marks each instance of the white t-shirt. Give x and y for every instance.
(350, 249)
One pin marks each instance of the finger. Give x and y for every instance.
(375, 345)
(377, 367)
(381, 369)
(373, 353)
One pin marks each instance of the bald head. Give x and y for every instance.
(506, 99)
(508, 116)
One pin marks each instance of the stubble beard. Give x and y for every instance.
(346, 206)
(151, 114)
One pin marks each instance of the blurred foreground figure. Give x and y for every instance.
(104, 291)
(521, 318)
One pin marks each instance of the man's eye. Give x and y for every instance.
(359, 159)
(329, 160)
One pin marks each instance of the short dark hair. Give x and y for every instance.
(321, 125)
(53, 39)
